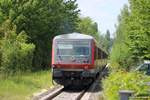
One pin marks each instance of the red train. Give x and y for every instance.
(76, 59)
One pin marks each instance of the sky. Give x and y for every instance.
(104, 12)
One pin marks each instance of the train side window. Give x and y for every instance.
(95, 53)
(99, 53)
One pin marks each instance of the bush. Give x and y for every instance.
(121, 80)
(16, 54)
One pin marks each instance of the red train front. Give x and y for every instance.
(73, 59)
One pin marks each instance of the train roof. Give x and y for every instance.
(74, 35)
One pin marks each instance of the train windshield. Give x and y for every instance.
(73, 49)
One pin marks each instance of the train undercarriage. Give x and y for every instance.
(74, 77)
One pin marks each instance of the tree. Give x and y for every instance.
(107, 35)
(88, 26)
(107, 41)
(139, 31)
(132, 35)
(120, 55)
(15, 53)
(41, 20)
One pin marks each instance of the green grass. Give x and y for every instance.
(21, 87)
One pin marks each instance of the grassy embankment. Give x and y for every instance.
(21, 87)
(122, 80)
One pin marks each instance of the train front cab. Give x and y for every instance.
(81, 73)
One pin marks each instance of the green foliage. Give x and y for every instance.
(139, 31)
(41, 20)
(88, 26)
(133, 35)
(120, 55)
(131, 46)
(121, 80)
(106, 41)
(22, 86)
(16, 54)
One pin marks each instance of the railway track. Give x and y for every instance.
(61, 93)
(70, 95)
